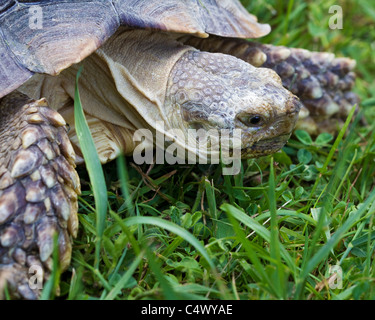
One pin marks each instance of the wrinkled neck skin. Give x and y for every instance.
(142, 79)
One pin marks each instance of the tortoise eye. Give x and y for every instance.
(255, 120)
(252, 120)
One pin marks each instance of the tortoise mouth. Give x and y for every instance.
(266, 146)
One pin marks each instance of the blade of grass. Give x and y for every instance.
(76, 285)
(187, 236)
(167, 289)
(279, 274)
(261, 273)
(210, 194)
(125, 278)
(333, 149)
(124, 178)
(53, 281)
(258, 229)
(96, 272)
(94, 168)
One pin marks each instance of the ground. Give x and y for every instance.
(295, 225)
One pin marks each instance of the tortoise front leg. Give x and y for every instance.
(322, 82)
(38, 192)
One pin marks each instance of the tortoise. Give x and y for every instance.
(186, 64)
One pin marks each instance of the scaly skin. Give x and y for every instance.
(38, 191)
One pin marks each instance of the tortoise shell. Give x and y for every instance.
(48, 36)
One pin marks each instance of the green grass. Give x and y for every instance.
(272, 232)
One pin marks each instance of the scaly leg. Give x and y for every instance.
(38, 192)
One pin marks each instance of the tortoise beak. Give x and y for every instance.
(266, 146)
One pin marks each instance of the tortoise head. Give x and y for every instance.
(217, 91)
